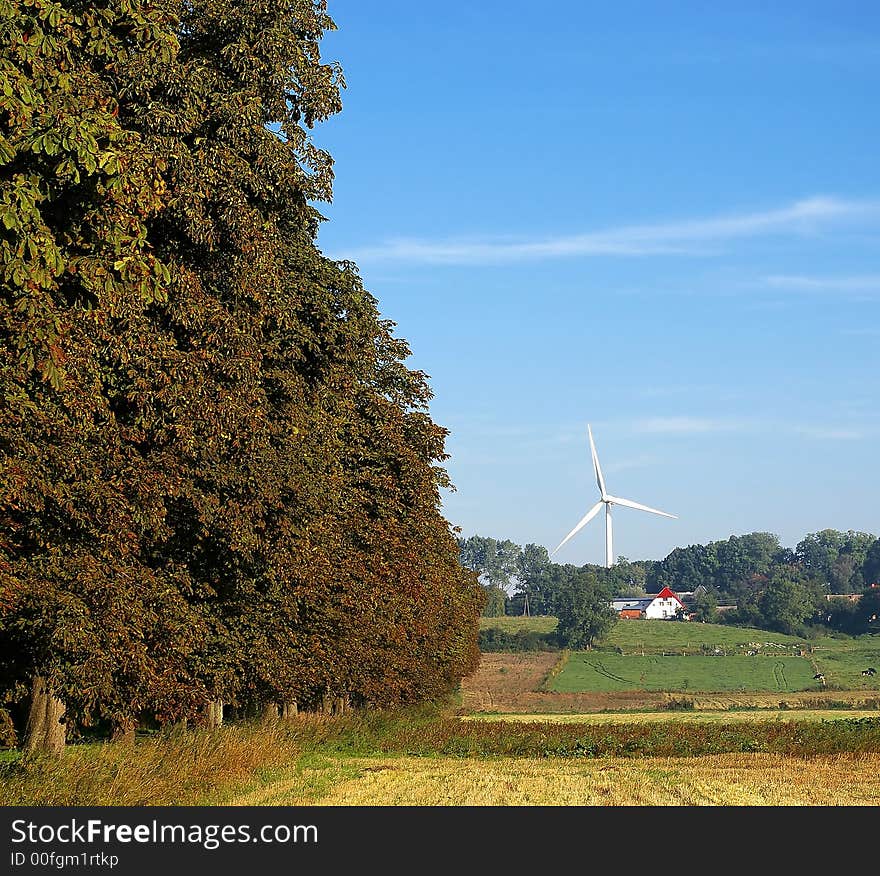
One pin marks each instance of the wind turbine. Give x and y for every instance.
(607, 500)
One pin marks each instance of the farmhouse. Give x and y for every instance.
(665, 606)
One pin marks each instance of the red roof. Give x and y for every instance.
(666, 593)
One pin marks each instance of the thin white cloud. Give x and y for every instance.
(859, 283)
(686, 425)
(808, 216)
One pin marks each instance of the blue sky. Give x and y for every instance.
(659, 219)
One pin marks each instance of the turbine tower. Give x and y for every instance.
(607, 500)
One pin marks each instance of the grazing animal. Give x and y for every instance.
(869, 671)
(818, 675)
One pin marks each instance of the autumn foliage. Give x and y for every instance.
(218, 479)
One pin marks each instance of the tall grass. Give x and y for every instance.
(200, 767)
(178, 768)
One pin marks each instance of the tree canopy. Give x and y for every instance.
(219, 480)
(583, 609)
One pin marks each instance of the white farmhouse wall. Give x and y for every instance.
(662, 609)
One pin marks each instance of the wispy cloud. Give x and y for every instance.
(859, 283)
(687, 425)
(695, 236)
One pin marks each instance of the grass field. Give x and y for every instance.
(512, 683)
(842, 659)
(596, 671)
(658, 636)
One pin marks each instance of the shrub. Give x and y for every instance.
(496, 639)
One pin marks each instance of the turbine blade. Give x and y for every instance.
(599, 479)
(628, 504)
(586, 519)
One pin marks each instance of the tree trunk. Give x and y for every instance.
(123, 731)
(289, 711)
(270, 712)
(45, 733)
(213, 714)
(334, 705)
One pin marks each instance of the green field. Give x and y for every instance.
(841, 658)
(842, 661)
(658, 636)
(605, 671)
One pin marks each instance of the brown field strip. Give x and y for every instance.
(717, 717)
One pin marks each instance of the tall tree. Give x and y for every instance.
(532, 575)
(83, 621)
(684, 569)
(220, 481)
(744, 556)
(789, 599)
(837, 557)
(495, 561)
(583, 609)
(869, 611)
(871, 565)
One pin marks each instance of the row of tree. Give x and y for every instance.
(842, 562)
(219, 482)
(749, 580)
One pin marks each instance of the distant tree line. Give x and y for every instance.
(747, 580)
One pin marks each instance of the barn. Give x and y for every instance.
(632, 613)
(632, 607)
